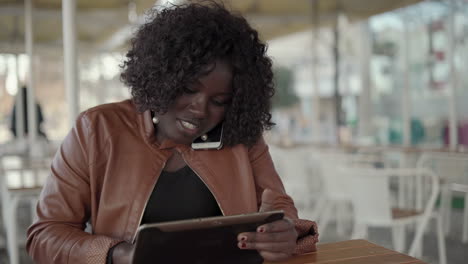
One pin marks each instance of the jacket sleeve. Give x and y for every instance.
(266, 177)
(64, 206)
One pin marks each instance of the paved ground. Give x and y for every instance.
(457, 252)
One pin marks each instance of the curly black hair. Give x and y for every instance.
(179, 42)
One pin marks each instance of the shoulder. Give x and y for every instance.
(126, 108)
(110, 119)
(119, 112)
(260, 147)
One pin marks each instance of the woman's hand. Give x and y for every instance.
(123, 253)
(274, 241)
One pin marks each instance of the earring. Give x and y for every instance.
(204, 137)
(155, 120)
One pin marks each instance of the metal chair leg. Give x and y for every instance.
(398, 235)
(441, 241)
(12, 239)
(465, 220)
(445, 207)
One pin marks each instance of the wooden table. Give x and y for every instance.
(352, 252)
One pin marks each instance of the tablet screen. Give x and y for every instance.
(202, 240)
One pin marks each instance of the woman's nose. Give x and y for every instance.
(199, 106)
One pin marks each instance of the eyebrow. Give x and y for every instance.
(200, 83)
(230, 94)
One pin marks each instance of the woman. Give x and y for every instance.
(190, 68)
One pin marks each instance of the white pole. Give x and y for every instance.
(406, 111)
(316, 135)
(70, 61)
(405, 95)
(365, 97)
(19, 104)
(315, 88)
(453, 126)
(32, 111)
(102, 91)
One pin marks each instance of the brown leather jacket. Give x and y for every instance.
(106, 169)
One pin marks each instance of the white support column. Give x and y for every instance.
(32, 111)
(336, 78)
(19, 104)
(406, 112)
(101, 93)
(70, 59)
(316, 125)
(453, 120)
(315, 88)
(364, 129)
(405, 95)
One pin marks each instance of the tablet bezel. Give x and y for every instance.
(216, 221)
(241, 223)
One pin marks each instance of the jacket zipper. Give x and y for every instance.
(146, 203)
(212, 193)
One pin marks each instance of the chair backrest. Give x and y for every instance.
(296, 171)
(331, 162)
(452, 168)
(374, 195)
(18, 172)
(370, 196)
(333, 185)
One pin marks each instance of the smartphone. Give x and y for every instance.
(214, 140)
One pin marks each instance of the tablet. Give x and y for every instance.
(202, 240)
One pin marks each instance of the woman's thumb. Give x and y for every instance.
(268, 199)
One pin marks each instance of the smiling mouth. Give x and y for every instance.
(188, 125)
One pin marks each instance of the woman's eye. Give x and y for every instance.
(221, 103)
(189, 91)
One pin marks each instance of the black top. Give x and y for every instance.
(179, 195)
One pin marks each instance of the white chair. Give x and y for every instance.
(461, 188)
(375, 204)
(20, 179)
(298, 176)
(453, 171)
(335, 200)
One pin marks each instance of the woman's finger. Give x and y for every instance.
(274, 256)
(276, 226)
(289, 235)
(285, 247)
